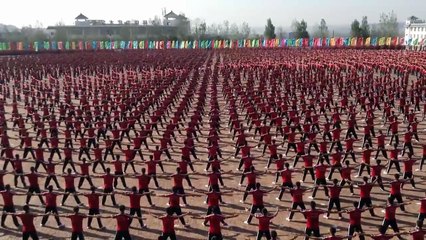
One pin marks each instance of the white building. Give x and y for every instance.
(415, 33)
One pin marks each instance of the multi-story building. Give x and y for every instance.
(415, 33)
(172, 26)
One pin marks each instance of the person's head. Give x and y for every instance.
(332, 231)
(169, 211)
(367, 145)
(347, 163)
(50, 188)
(335, 181)
(69, 171)
(83, 160)
(134, 189)
(313, 204)
(419, 224)
(7, 187)
(274, 234)
(378, 161)
(122, 208)
(178, 170)
(26, 208)
(216, 210)
(365, 179)
(76, 209)
(128, 146)
(252, 169)
(93, 189)
(390, 201)
(257, 185)
(108, 170)
(32, 169)
(396, 176)
(286, 165)
(355, 204)
(264, 211)
(143, 170)
(157, 147)
(174, 190)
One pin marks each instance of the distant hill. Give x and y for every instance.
(7, 28)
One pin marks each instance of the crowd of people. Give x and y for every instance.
(232, 120)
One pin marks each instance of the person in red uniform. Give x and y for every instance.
(135, 204)
(93, 205)
(19, 171)
(381, 138)
(123, 224)
(51, 207)
(76, 223)
(364, 195)
(320, 180)
(264, 221)
(390, 218)
(257, 203)
(418, 233)
(251, 182)
(27, 219)
(168, 221)
(118, 172)
(33, 185)
(214, 221)
(334, 197)
(8, 205)
(312, 220)
(287, 182)
(84, 173)
(297, 199)
(174, 203)
(70, 186)
(395, 190)
(51, 175)
(355, 221)
(143, 185)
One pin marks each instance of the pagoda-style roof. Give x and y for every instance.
(81, 17)
(171, 14)
(181, 17)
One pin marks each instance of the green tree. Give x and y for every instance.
(322, 29)
(300, 29)
(269, 30)
(355, 29)
(388, 24)
(245, 30)
(365, 28)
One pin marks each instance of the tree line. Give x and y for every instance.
(200, 30)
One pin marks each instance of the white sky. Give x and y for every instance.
(255, 12)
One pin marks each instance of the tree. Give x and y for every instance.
(365, 28)
(355, 29)
(245, 30)
(300, 29)
(269, 30)
(388, 25)
(234, 31)
(322, 29)
(281, 33)
(225, 28)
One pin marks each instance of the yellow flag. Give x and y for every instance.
(332, 42)
(388, 41)
(367, 41)
(382, 41)
(353, 42)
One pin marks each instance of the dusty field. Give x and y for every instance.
(236, 229)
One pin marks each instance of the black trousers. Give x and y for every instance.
(28, 235)
(77, 235)
(171, 236)
(119, 235)
(9, 209)
(389, 222)
(260, 234)
(312, 231)
(355, 228)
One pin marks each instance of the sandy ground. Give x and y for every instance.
(236, 229)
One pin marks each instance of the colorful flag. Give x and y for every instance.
(374, 41)
(382, 41)
(60, 45)
(367, 41)
(388, 41)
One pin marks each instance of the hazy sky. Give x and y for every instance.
(255, 12)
